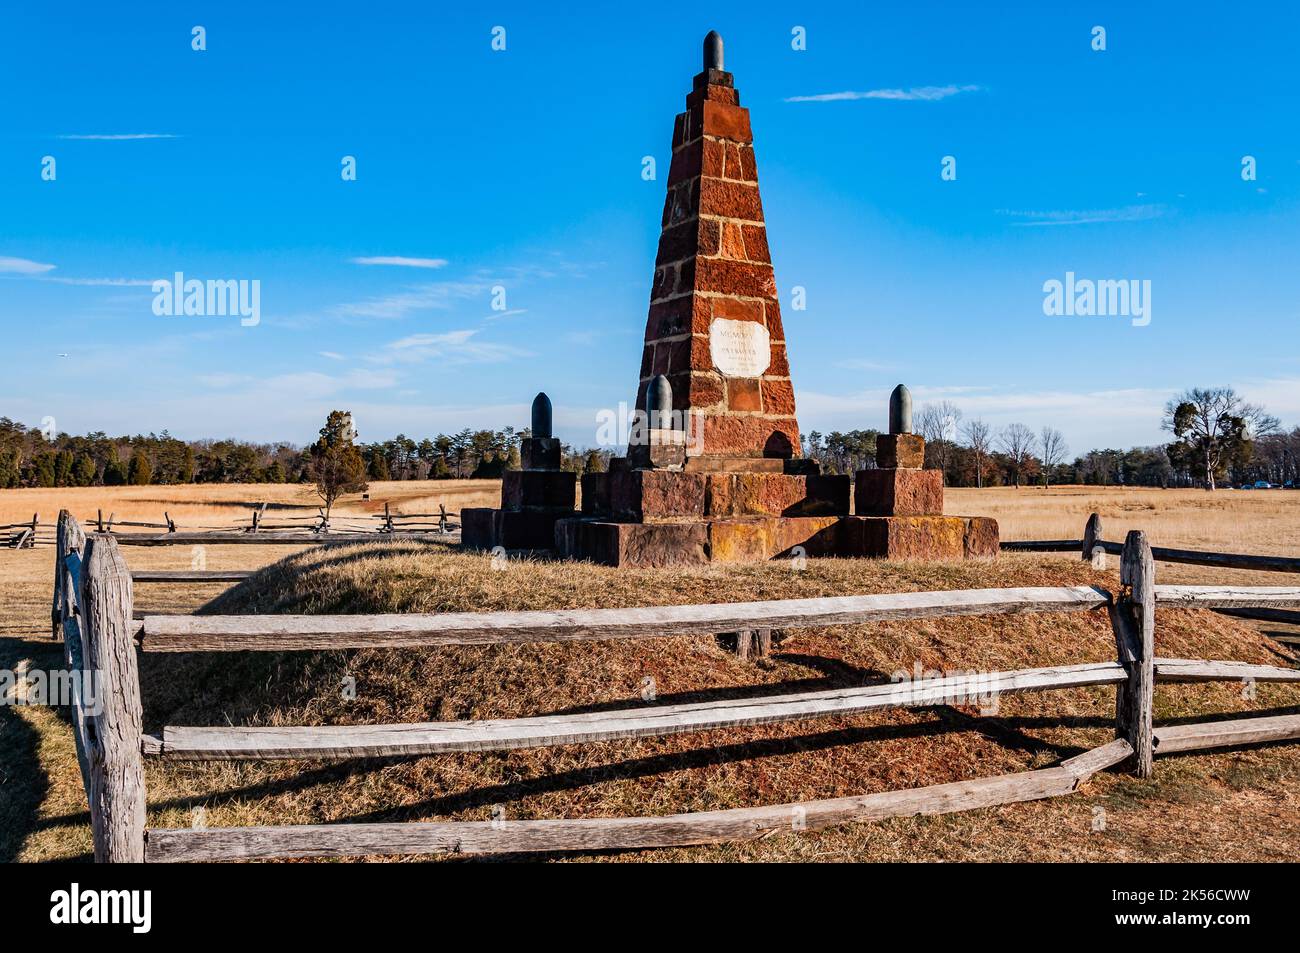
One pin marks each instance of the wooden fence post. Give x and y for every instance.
(117, 796)
(442, 517)
(69, 538)
(1134, 619)
(1091, 536)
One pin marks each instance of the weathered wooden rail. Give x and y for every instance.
(93, 610)
(1092, 541)
(26, 535)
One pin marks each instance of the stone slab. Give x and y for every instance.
(983, 540)
(898, 493)
(650, 496)
(919, 537)
(538, 490)
(721, 464)
(697, 542)
(633, 544)
(904, 537)
(483, 528)
(900, 451)
(776, 494)
(477, 527)
(540, 453)
(762, 538)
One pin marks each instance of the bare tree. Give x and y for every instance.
(1017, 442)
(1213, 424)
(1051, 443)
(980, 437)
(937, 423)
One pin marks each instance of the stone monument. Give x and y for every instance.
(714, 471)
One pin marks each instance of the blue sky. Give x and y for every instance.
(522, 169)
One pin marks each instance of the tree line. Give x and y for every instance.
(32, 457)
(1217, 438)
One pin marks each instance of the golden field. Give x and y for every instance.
(1235, 805)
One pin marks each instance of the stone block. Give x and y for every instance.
(656, 495)
(741, 541)
(527, 529)
(483, 528)
(816, 535)
(540, 453)
(776, 494)
(899, 493)
(595, 494)
(757, 539)
(478, 527)
(538, 490)
(982, 538)
(750, 435)
(713, 463)
(657, 456)
(778, 397)
(743, 394)
(900, 451)
(904, 537)
(753, 539)
(633, 544)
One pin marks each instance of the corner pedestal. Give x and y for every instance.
(532, 501)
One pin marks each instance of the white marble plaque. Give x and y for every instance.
(740, 348)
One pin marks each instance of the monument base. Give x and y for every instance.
(670, 496)
(696, 542)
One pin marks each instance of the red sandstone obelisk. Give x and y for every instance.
(714, 327)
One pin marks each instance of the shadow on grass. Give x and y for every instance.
(23, 782)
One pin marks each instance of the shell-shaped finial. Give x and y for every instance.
(713, 51)
(659, 403)
(541, 417)
(900, 410)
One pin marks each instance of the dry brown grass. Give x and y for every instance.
(223, 504)
(1248, 521)
(1236, 805)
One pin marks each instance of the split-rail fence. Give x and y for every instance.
(93, 602)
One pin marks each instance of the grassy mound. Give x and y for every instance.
(707, 770)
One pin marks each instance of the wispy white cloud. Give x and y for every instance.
(303, 384)
(23, 266)
(332, 355)
(103, 282)
(122, 136)
(1128, 213)
(422, 297)
(927, 94)
(452, 347)
(400, 261)
(498, 315)
(862, 364)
